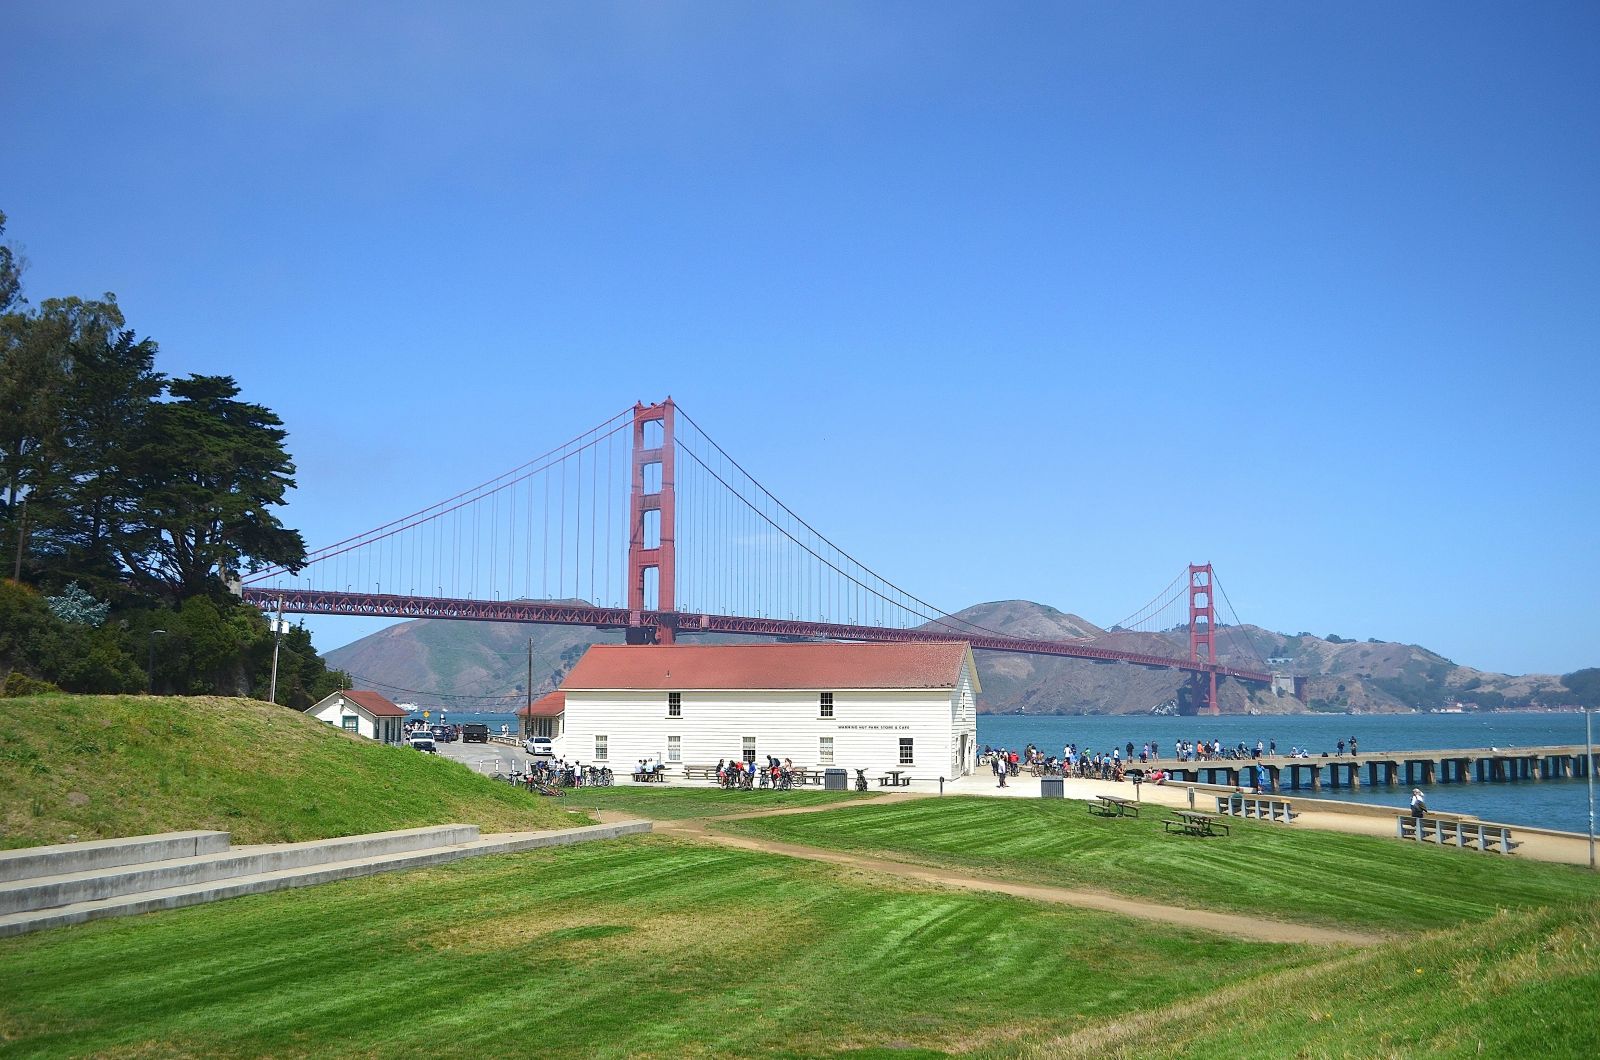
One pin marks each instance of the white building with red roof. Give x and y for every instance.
(909, 707)
(368, 714)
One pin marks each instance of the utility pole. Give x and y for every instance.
(529, 685)
(277, 641)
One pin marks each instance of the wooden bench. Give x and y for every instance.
(699, 772)
(1189, 822)
(1261, 807)
(1456, 833)
(1114, 806)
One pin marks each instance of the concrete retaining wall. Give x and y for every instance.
(64, 858)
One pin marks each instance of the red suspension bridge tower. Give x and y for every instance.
(1202, 636)
(653, 512)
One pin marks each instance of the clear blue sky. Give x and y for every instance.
(1012, 300)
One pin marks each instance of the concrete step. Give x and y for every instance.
(31, 862)
(45, 892)
(178, 897)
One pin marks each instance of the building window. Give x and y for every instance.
(749, 748)
(352, 723)
(825, 750)
(674, 748)
(600, 749)
(825, 704)
(905, 751)
(674, 704)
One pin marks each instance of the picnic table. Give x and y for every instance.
(650, 776)
(1114, 806)
(892, 779)
(1189, 822)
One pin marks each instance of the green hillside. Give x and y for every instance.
(96, 767)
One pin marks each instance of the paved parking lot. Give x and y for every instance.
(485, 757)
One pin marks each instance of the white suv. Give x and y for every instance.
(423, 741)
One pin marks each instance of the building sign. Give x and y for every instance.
(873, 727)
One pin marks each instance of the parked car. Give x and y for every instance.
(474, 733)
(444, 733)
(539, 747)
(423, 741)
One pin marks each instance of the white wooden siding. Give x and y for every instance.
(866, 726)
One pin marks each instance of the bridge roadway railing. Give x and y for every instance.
(390, 605)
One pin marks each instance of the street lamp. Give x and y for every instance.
(150, 659)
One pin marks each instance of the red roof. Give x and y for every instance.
(549, 706)
(375, 703)
(733, 666)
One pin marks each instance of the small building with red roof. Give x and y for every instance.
(368, 714)
(543, 717)
(873, 706)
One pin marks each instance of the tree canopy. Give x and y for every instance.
(132, 499)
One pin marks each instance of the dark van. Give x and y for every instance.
(474, 733)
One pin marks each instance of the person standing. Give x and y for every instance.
(1352, 747)
(1419, 806)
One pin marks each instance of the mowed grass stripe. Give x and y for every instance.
(1522, 983)
(638, 946)
(671, 804)
(1271, 870)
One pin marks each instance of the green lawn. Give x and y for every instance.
(635, 947)
(668, 804)
(97, 767)
(1286, 873)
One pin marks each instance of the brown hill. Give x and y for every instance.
(483, 666)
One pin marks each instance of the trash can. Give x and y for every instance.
(834, 780)
(1052, 788)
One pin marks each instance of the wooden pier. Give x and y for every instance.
(1484, 765)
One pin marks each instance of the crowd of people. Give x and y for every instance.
(1116, 763)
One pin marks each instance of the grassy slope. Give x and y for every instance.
(670, 804)
(636, 947)
(1261, 868)
(104, 766)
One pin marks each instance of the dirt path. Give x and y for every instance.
(1253, 928)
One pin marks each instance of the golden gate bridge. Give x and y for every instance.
(643, 523)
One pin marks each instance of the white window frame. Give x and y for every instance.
(908, 751)
(674, 704)
(825, 750)
(602, 748)
(675, 748)
(824, 704)
(749, 748)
